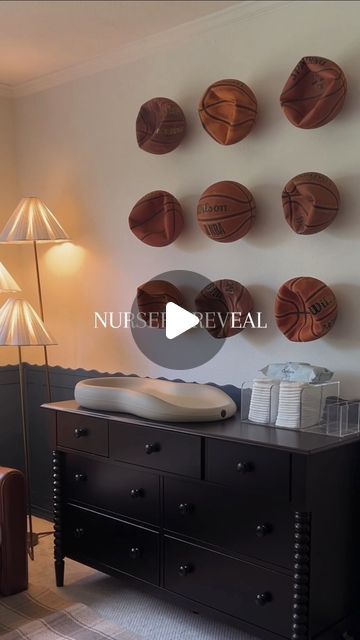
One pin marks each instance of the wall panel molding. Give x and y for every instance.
(42, 423)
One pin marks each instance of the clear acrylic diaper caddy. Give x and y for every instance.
(291, 405)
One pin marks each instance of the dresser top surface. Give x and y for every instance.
(233, 430)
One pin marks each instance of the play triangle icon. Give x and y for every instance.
(178, 320)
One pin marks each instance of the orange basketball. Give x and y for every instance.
(157, 219)
(314, 93)
(228, 111)
(226, 211)
(310, 202)
(305, 309)
(152, 298)
(220, 300)
(160, 126)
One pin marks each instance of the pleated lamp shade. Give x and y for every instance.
(20, 326)
(7, 282)
(32, 221)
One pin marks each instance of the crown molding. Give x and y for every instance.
(6, 91)
(142, 48)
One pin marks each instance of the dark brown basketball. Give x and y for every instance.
(228, 111)
(310, 202)
(157, 219)
(160, 126)
(226, 304)
(305, 309)
(314, 93)
(226, 211)
(152, 298)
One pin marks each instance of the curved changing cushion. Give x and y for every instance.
(156, 399)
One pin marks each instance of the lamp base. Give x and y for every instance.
(32, 539)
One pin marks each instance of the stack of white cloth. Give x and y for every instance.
(264, 401)
(299, 405)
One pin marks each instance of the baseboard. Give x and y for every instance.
(40, 512)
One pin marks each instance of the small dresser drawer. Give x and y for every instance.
(238, 588)
(92, 537)
(156, 449)
(227, 518)
(256, 470)
(113, 487)
(83, 433)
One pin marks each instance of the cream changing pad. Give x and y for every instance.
(156, 399)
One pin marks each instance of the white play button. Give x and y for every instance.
(178, 320)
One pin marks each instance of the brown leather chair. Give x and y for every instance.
(13, 553)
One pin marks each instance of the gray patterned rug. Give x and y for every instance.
(43, 615)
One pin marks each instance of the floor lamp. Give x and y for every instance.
(20, 326)
(33, 222)
(7, 282)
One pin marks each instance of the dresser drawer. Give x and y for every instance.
(238, 588)
(156, 449)
(117, 488)
(96, 538)
(83, 433)
(254, 469)
(228, 519)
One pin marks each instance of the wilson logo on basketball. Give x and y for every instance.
(169, 131)
(207, 208)
(319, 306)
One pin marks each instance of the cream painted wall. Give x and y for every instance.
(76, 148)
(9, 255)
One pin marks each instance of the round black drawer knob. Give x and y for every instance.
(134, 553)
(137, 493)
(79, 532)
(185, 507)
(263, 598)
(80, 477)
(152, 448)
(185, 569)
(243, 467)
(263, 529)
(80, 432)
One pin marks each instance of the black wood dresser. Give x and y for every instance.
(257, 525)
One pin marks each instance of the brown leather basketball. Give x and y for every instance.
(305, 309)
(160, 126)
(226, 304)
(228, 111)
(152, 298)
(310, 202)
(226, 211)
(314, 93)
(157, 219)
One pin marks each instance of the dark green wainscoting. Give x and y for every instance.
(41, 423)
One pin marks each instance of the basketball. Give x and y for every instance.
(314, 93)
(228, 111)
(305, 309)
(160, 126)
(152, 298)
(157, 219)
(219, 300)
(310, 202)
(226, 211)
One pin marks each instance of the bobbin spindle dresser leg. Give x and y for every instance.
(57, 510)
(300, 605)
